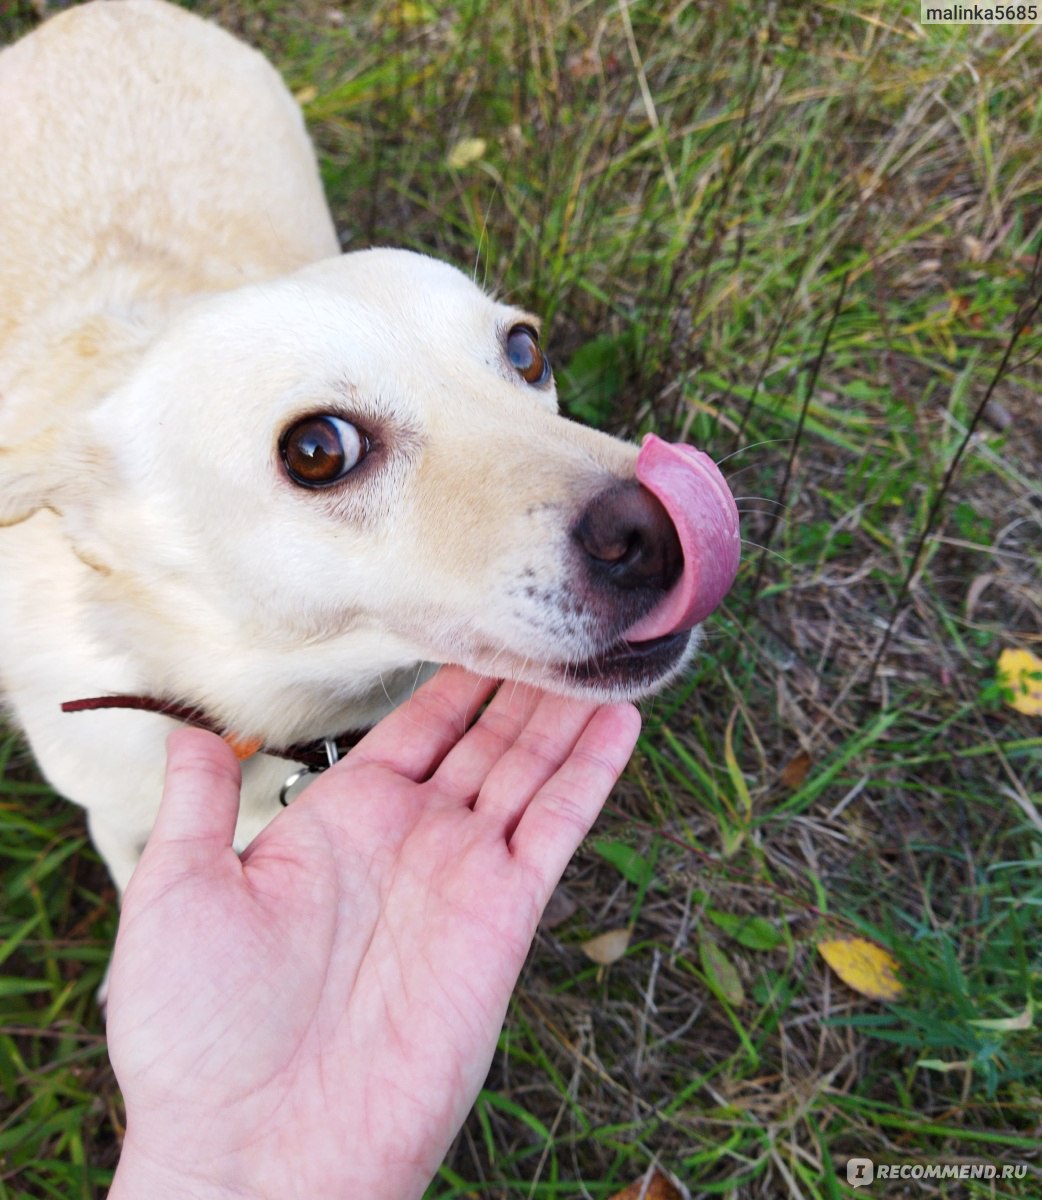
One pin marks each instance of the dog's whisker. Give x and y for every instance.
(763, 512)
(768, 550)
(732, 475)
(387, 694)
(516, 683)
(492, 672)
(751, 446)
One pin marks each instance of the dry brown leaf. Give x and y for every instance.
(560, 908)
(607, 948)
(795, 770)
(654, 1187)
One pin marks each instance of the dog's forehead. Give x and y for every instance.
(364, 333)
(406, 297)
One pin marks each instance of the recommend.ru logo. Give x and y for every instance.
(860, 1172)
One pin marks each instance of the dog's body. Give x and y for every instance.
(176, 331)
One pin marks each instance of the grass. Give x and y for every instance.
(799, 236)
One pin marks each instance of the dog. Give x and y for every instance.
(252, 482)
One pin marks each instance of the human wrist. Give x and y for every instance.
(140, 1177)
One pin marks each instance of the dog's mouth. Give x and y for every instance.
(698, 502)
(629, 668)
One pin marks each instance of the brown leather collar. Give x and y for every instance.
(314, 755)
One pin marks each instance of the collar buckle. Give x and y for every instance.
(287, 794)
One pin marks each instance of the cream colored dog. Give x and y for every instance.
(243, 474)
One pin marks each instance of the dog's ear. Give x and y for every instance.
(43, 472)
(24, 488)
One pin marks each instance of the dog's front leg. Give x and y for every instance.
(119, 848)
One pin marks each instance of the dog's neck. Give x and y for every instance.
(278, 692)
(315, 755)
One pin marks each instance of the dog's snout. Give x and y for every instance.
(629, 538)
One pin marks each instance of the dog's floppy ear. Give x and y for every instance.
(42, 472)
(46, 435)
(23, 485)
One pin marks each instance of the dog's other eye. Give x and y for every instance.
(320, 450)
(525, 355)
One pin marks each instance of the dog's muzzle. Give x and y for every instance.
(666, 544)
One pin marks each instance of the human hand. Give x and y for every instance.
(316, 1017)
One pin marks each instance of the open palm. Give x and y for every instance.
(315, 1017)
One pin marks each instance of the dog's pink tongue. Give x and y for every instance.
(689, 486)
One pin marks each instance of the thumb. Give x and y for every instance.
(200, 802)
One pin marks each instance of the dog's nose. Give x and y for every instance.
(630, 539)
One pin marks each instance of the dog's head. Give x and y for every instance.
(362, 466)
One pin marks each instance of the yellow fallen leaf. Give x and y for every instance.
(465, 152)
(863, 966)
(607, 947)
(306, 94)
(406, 14)
(1020, 672)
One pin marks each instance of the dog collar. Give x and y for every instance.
(315, 756)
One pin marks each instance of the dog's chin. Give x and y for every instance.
(626, 670)
(618, 671)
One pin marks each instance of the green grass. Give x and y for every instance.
(685, 193)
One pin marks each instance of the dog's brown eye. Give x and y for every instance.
(320, 450)
(525, 355)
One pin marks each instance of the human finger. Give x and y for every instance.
(200, 801)
(416, 736)
(464, 770)
(565, 807)
(537, 750)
